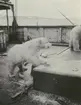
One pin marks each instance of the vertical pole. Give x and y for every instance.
(11, 36)
(16, 8)
(60, 34)
(7, 21)
(13, 12)
(14, 24)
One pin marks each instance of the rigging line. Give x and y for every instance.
(65, 17)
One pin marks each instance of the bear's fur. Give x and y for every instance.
(75, 38)
(26, 52)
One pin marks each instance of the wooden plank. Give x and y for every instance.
(61, 58)
(52, 34)
(63, 76)
(33, 32)
(66, 86)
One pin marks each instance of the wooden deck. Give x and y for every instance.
(63, 76)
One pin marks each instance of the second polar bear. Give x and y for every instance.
(75, 38)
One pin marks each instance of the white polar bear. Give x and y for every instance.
(75, 38)
(26, 52)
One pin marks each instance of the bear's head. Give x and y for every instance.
(43, 43)
(35, 45)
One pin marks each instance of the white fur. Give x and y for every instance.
(28, 52)
(75, 36)
(28, 79)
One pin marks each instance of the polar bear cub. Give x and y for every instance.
(26, 52)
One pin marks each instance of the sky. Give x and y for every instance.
(47, 9)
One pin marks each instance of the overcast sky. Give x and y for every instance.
(47, 8)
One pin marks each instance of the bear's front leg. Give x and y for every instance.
(76, 45)
(71, 44)
(13, 70)
(34, 60)
(44, 63)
